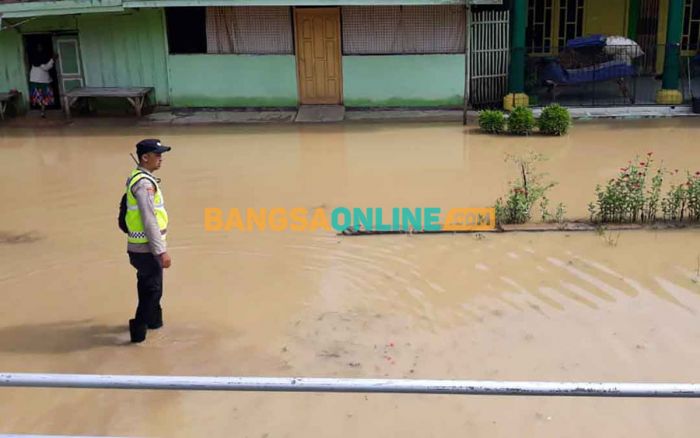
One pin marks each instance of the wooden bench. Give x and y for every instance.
(5, 99)
(136, 96)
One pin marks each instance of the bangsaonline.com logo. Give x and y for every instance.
(340, 219)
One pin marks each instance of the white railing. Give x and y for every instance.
(489, 41)
(404, 386)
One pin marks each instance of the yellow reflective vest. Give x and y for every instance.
(134, 222)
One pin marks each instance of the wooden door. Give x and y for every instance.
(319, 73)
(69, 67)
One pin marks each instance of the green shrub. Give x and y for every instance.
(521, 121)
(554, 120)
(492, 121)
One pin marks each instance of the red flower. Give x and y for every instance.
(697, 173)
(650, 154)
(642, 163)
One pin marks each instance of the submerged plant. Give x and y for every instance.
(546, 216)
(673, 205)
(525, 192)
(631, 198)
(693, 194)
(611, 238)
(623, 199)
(559, 213)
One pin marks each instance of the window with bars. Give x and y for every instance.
(538, 36)
(690, 39)
(391, 30)
(570, 20)
(249, 30)
(550, 19)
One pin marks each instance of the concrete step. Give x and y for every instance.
(320, 113)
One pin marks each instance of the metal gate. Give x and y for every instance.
(647, 29)
(489, 39)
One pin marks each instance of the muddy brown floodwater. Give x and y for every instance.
(550, 306)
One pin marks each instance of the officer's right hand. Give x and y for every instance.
(165, 260)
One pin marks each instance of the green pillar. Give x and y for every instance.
(633, 19)
(673, 41)
(516, 73)
(669, 93)
(516, 76)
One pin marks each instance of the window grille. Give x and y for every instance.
(570, 20)
(375, 30)
(690, 39)
(249, 30)
(539, 26)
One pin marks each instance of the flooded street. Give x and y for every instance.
(516, 306)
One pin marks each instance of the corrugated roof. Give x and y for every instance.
(18, 1)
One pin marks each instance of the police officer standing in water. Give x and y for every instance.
(147, 223)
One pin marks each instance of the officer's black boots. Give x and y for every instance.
(157, 321)
(137, 331)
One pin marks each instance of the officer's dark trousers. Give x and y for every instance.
(149, 276)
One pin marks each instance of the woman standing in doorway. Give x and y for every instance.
(40, 88)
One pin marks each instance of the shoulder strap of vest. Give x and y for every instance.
(140, 175)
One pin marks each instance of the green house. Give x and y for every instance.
(356, 53)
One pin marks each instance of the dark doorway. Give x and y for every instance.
(39, 50)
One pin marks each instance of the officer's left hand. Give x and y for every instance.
(165, 260)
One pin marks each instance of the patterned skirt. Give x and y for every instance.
(41, 94)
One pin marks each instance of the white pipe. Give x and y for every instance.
(297, 384)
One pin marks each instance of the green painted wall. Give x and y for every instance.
(12, 71)
(232, 80)
(405, 80)
(125, 49)
(120, 49)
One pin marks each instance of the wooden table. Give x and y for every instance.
(5, 99)
(136, 96)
